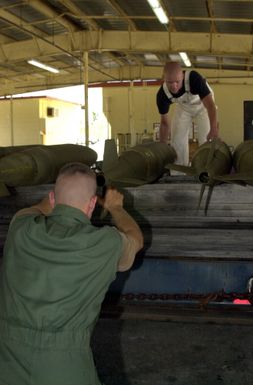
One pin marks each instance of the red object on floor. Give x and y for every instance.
(238, 301)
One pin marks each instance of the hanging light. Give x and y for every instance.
(185, 59)
(43, 66)
(159, 11)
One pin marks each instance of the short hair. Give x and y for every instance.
(75, 184)
(73, 168)
(172, 66)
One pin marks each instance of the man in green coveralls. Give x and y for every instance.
(56, 270)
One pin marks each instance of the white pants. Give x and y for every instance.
(180, 128)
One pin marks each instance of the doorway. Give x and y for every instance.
(248, 119)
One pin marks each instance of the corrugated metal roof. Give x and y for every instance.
(123, 37)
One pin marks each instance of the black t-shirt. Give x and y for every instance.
(197, 85)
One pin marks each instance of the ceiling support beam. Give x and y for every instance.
(75, 11)
(119, 10)
(47, 11)
(130, 73)
(131, 42)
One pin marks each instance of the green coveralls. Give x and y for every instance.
(56, 271)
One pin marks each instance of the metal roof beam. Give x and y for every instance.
(118, 9)
(131, 42)
(49, 12)
(75, 11)
(209, 4)
(28, 83)
(16, 22)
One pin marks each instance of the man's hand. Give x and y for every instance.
(165, 131)
(113, 199)
(133, 238)
(44, 206)
(212, 134)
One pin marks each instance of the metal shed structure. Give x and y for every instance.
(116, 40)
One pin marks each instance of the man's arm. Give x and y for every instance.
(199, 86)
(132, 235)
(212, 113)
(43, 207)
(163, 104)
(165, 130)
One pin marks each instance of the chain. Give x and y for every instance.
(217, 297)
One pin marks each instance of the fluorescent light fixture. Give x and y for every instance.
(159, 11)
(161, 15)
(43, 66)
(174, 57)
(154, 3)
(185, 59)
(150, 56)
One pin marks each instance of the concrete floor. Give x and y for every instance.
(146, 352)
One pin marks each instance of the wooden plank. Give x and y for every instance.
(167, 215)
(195, 243)
(187, 195)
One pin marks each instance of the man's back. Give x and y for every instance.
(64, 266)
(56, 271)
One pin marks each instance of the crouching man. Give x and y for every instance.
(56, 270)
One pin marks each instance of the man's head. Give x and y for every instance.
(75, 186)
(173, 76)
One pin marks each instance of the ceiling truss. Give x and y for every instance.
(124, 40)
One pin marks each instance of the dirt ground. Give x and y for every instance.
(145, 352)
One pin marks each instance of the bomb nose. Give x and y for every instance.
(204, 177)
(100, 180)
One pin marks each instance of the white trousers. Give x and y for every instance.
(180, 128)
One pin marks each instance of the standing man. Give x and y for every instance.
(194, 100)
(56, 270)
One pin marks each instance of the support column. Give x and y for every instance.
(131, 113)
(86, 101)
(12, 120)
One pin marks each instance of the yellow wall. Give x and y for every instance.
(5, 123)
(229, 99)
(141, 103)
(132, 109)
(19, 122)
(128, 110)
(118, 117)
(25, 121)
(67, 124)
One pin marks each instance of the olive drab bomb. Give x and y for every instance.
(39, 164)
(242, 172)
(209, 162)
(141, 164)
